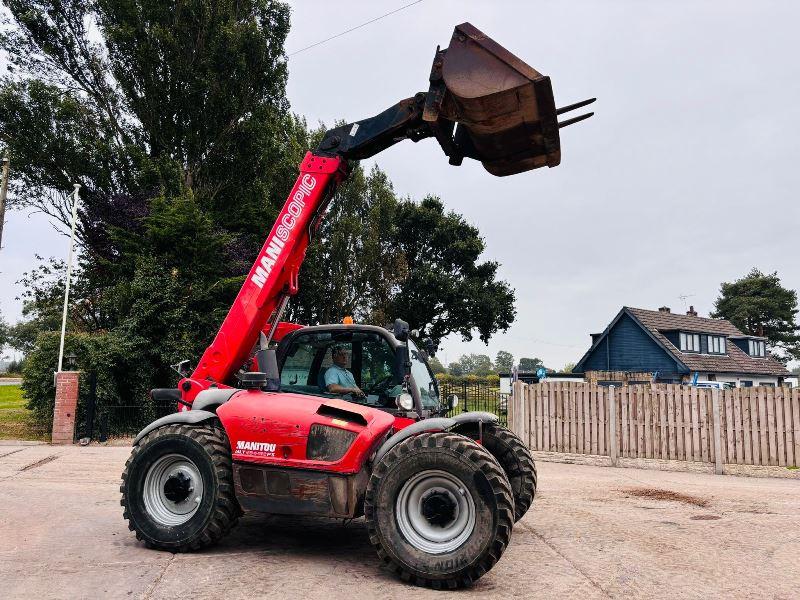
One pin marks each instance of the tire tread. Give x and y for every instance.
(498, 481)
(225, 512)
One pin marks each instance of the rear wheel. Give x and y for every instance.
(439, 510)
(177, 488)
(515, 458)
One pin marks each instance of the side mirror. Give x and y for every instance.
(268, 364)
(430, 346)
(400, 330)
(452, 401)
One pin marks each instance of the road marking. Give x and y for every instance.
(564, 556)
(10, 453)
(39, 463)
(149, 593)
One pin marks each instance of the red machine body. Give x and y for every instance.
(274, 429)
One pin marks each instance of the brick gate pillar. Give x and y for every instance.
(65, 407)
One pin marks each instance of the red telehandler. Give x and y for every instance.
(439, 494)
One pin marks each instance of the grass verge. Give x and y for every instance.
(16, 421)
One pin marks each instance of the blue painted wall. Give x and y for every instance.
(630, 348)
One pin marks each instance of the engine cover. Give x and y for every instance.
(302, 432)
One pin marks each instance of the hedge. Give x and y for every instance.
(122, 379)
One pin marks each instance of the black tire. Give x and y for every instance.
(515, 458)
(204, 446)
(485, 487)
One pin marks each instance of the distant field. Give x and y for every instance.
(15, 419)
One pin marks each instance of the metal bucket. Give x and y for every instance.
(504, 109)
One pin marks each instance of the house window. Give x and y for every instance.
(746, 383)
(716, 344)
(690, 342)
(757, 348)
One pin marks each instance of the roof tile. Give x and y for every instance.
(735, 361)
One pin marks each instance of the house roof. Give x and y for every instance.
(666, 321)
(735, 361)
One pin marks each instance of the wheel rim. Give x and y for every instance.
(435, 512)
(173, 490)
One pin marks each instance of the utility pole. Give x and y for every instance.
(69, 274)
(3, 192)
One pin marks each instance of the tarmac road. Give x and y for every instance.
(593, 532)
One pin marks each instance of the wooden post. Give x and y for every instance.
(718, 466)
(613, 449)
(518, 412)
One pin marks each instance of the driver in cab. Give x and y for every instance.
(338, 380)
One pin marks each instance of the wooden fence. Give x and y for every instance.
(752, 426)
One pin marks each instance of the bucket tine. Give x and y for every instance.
(570, 107)
(574, 120)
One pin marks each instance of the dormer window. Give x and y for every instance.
(690, 342)
(716, 344)
(757, 348)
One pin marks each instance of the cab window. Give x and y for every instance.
(377, 363)
(371, 362)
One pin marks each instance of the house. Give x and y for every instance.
(642, 346)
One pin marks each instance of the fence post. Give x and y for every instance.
(524, 412)
(613, 448)
(718, 467)
(91, 403)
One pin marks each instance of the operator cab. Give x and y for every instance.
(305, 355)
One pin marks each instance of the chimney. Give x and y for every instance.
(664, 309)
(691, 312)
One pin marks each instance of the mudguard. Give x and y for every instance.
(435, 424)
(187, 417)
(213, 398)
(474, 417)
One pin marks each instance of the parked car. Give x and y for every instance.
(717, 385)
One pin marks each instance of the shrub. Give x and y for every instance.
(489, 380)
(121, 378)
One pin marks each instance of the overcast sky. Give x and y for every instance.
(687, 176)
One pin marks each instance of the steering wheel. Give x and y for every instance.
(381, 382)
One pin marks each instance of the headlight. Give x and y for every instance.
(328, 443)
(405, 401)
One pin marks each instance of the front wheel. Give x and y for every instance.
(177, 488)
(439, 510)
(515, 458)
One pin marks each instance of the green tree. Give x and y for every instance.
(504, 361)
(447, 289)
(353, 265)
(567, 368)
(4, 333)
(758, 304)
(436, 366)
(530, 365)
(161, 95)
(174, 119)
(378, 258)
(472, 364)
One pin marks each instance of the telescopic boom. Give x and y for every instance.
(483, 103)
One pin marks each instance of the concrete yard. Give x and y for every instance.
(593, 532)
